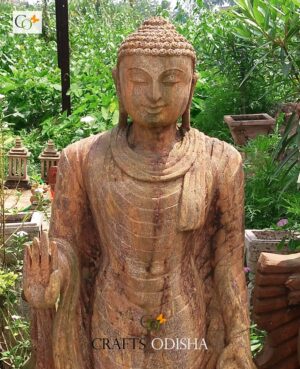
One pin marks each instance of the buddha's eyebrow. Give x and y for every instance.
(136, 69)
(172, 70)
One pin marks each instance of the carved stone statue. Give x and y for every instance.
(147, 221)
(276, 310)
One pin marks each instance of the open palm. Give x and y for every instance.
(41, 280)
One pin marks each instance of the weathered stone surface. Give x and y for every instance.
(147, 220)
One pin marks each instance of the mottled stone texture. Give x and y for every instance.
(147, 219)
(276, 310)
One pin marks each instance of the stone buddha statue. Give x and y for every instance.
(146, 227)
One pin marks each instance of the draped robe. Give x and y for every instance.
(141, 235)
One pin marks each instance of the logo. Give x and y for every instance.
(150, 342)
(27, 22)
(153, 324)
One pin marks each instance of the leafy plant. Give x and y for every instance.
(257, 339)
(226, 62)
(7, 281)
(275, 26)
(265, 202)
(288, 150)
(14, 338)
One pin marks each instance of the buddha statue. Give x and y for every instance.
(143, 264)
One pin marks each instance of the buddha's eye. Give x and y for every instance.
(138, 76)
(170, 79)
(140, 81)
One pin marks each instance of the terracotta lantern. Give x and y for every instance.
(17, 166)
(49, 158)
(143, 264)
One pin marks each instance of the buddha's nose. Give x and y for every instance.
(155, 93)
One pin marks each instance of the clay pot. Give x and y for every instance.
(247, 126)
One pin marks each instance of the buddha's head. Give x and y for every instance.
(155, 76)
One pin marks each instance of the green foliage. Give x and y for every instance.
(266, 203)
(275, 26)
(7, 281)
(14, 339)
(25, 81)
(213, 98)
(30, 78)
(288, 149)
(14, 327)
(222, 51)
(257, 339)
(225, 62)
(241, 71)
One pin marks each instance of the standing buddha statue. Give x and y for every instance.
(147, 221)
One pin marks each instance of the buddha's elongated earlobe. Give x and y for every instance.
(186, 120)
(186, 117)
(122, 112)
(122, 116)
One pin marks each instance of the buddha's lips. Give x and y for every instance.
(154, 109)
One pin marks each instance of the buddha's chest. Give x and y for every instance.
(137, 220)
(148, 209)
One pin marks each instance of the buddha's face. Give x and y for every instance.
(155, 90)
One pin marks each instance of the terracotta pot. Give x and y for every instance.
(247, 126)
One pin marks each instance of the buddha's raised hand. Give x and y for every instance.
(41, 276)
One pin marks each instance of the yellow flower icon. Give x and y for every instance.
(161, 319)
(34, 19)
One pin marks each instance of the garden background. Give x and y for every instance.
(248, 60)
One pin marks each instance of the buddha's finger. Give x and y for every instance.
(26, 264)
(27, 257)
(54, 255)
(35, 253)
(26, 269)
(44, 248)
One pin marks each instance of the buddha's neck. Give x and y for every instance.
(159, 141)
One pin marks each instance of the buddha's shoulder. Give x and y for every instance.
(220, 152)
(82, 148)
